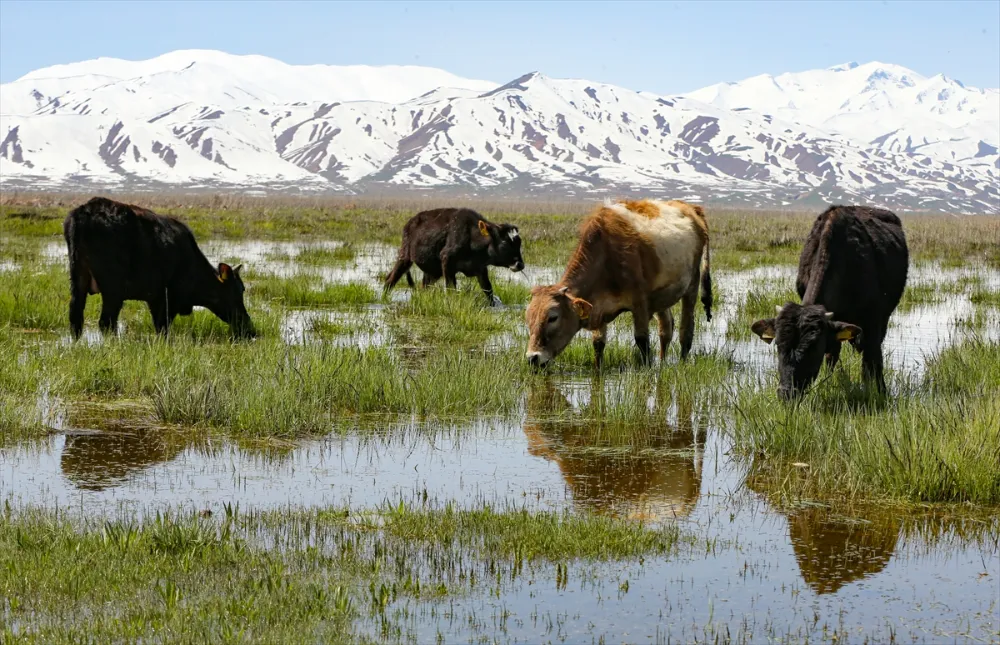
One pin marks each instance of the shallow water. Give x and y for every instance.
(772, 572)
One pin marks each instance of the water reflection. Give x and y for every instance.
(833, 550)
(100, 460)
(629, 471)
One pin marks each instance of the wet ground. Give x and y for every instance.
(758, 569)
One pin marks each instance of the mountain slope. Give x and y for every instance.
(886, 106)
(214, 120)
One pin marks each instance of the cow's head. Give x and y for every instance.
(802, 334)
(229, 303)
(505, 245)
(554, 316)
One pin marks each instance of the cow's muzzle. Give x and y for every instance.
(537, 359)
(517, 266)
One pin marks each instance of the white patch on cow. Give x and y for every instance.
(676, 242)
(513, 235)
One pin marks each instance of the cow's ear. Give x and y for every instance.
(225, 271)
(846, 331)
(765, 329)
(237, 269)
(581, 307)
(485, 230)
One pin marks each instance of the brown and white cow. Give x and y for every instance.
(639, 256)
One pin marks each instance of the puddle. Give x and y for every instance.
(348, 329)
(772, 572)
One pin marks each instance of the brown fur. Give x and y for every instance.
(612, 270)
(643, 207)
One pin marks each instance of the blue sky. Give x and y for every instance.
(664, 47)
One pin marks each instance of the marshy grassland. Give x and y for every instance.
(337, 360)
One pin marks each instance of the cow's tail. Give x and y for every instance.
(401, 268)
(706, 268)
(79, 278)
(72, 233)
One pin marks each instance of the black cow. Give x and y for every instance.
(445, 241)
(852, 273)
(126, 252)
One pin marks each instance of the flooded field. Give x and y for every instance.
(757, 559)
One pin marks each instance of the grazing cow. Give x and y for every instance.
(639, 256)
(446, 241)
(852, 273)
(126, 252)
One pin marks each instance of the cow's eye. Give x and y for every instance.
(553, 317)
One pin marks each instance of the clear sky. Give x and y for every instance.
(663, 47)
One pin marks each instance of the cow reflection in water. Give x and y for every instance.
(650, 474)
(104, 460)
(833, 551)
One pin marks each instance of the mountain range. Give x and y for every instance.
(197, 120)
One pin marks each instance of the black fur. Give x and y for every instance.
(126, 252)
(854, 264)
(446, 241)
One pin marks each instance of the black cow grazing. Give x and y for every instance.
(852, 273)
(445, 241)
(126, 252)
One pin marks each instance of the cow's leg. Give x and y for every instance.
(666, 320)
(428, 280)
(487, 287)
(77, 303)
(871, 357)
(111, 306)
(79, 286)
(871, 364)
(161, 318)
(640, 328)
(688, 303)
(833, 355)
(599, 338)
(449, 271)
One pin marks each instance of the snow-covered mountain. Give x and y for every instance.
(875, 133)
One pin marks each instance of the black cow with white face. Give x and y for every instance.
(448, 241)
(852, 273)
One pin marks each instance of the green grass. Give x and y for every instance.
(934, 441)
(262, 388)
(326, 256)
(305, 290)
(324, 575)
(921, 294)
(758, 303)
(740, 238)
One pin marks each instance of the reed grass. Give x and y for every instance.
(933, 441)
(291, 575)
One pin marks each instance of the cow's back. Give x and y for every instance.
(854, 263)
(427, 232)
(128, 248)
(671, 234)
